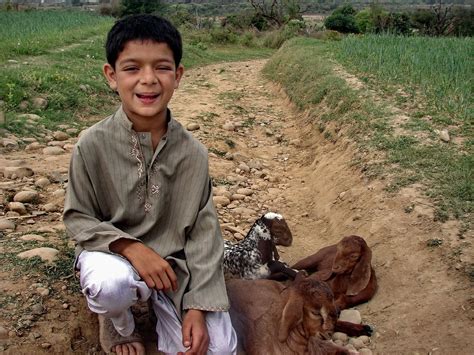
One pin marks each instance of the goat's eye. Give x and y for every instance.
(355, 256)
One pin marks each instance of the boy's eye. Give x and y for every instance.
(130, 68)
(164, 68)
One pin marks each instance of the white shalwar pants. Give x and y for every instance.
(111, 286)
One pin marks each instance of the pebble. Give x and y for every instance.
(15, 172)
(9, 143)
(51, 207)
(65, 306)
(237, 197)
(33, 237)
(37, 309)
(53, 151)
(40, 103)
(244, 167)
(59, 193)
(6, 224)
(60, 136)
(17, 207)
(357, 343)
(193, 127)
(46, 254)
(245, 192)
(42, 182)
(59, 144)
(365, 351)
(221, 200)
(43, 291)
(33, 146)
(26, 196)
(45, 345)
(228, 126)
(29, 116)
(444, 135)
(350, 315)
(340, 336)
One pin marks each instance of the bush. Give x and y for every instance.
(399, 23)
(341, 23)
(223, 36)
(364, 21)
(130, 7)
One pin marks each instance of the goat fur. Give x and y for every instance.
(346, 267)
(271, 318)
(250, 258)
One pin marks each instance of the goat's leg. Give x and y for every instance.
(353, 329)
(345, 301)
(279, 271)
(317, 346)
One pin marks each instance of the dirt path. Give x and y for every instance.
(259, 142)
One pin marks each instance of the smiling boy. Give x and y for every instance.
(139, 205)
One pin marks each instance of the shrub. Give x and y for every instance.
(364, 21)
(341, 23)
(223, 35)
(130, 7)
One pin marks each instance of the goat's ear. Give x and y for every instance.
(292, 314)
(360, 276)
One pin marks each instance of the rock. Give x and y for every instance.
(23, 105)
(2, 117)
(243, 211)
(40, 103)
(53, 151)
(3, 333)
(45, 345)
(340, 336)
(365, 339)
(221, 191)
(237, 197)
(51, 207)
(357, 343)
(245, 192)
(193, 126)
(60, 136)
(29, 116)
(46, 254)
(221, 200)
(350, 315)
(72, 131)
(37, 309)
(244, 167)
(16, 172)
(9, 143)
(444, 135)
(43, 291)
(33, 146)
(42, 182)
(60, 144)
(17, 207)
(6, 224)
(33, 237)
(26, 196)
(59, 193)
(228, 126)
(365, 351)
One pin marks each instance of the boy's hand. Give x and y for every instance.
(195, 335)
(152, 268)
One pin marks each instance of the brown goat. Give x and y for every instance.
(346, 267)
(271, 318)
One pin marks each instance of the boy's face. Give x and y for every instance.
(145, 77)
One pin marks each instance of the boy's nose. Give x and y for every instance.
(149, 77)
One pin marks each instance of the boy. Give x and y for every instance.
(139, 205)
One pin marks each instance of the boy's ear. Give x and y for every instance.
(109, 74)
(178, 75)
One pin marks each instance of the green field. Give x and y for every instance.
(60, 58)
(441, 99)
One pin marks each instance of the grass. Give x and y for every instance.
(54, 69)
(305, 68)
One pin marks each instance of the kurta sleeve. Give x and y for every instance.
(204, 252)
(82, 217)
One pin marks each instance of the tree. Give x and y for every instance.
(130, 7)
(342, 20)
(277, 12)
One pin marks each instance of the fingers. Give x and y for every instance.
(186, 332)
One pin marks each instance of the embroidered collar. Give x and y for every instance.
(125, 121)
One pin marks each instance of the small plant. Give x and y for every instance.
(435, 242)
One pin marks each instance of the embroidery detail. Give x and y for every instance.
(147, 207)
(141, 191)
(155, 189)
(136, 153)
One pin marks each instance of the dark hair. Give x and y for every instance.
(142, 27)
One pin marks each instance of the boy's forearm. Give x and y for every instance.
(125, 247)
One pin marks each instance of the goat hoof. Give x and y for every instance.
(368, 330)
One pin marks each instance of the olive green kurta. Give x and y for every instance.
(120, 188)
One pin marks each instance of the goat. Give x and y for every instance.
(271, 318)
(346, 267)
(250, 258)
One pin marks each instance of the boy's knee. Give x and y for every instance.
(110, 295)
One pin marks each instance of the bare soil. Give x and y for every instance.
(424, 305)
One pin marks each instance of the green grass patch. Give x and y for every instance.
(64, 66)
(305, 68)
(35, 32)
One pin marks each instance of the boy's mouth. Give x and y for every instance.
(147, 97)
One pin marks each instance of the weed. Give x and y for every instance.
(230, 143)
(249, 122)
(217, 152)
(435, 242)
